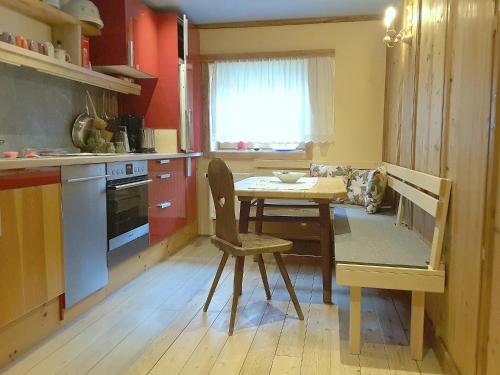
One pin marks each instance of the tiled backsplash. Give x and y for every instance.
(38, 110)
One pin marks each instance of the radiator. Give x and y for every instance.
(237, 177)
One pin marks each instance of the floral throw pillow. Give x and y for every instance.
(322, 170)
(377, 182)
(358, 187)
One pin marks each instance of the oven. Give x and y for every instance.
(127, 207)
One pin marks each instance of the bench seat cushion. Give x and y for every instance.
(376, 240)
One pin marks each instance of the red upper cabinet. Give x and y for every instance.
(129, 40)
(155, 44)
(164, 109)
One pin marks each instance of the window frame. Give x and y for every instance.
(305, 149)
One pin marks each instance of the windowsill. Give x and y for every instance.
(264, 154)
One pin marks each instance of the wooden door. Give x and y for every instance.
(31, 250)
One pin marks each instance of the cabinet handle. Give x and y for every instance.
(185, 31)
(131, 53)
(82, 179)
(164, 205)
(166, 161)
(164, 176)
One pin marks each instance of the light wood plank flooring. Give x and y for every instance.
(155, 325)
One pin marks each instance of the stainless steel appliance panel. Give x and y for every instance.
(85, 234)
(127, 207)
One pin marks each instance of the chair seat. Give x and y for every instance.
(254, 244)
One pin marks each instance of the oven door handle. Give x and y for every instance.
(131, 185)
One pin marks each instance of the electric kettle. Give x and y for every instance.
(148, 140)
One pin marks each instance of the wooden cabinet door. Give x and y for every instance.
(31, 250)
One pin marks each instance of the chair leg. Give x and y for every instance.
(288, 283)
(241, 279)
(238, 279)
(263, 274)
(216, 280)
(355, 321)
(417, 325)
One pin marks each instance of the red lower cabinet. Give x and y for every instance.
(167, 198)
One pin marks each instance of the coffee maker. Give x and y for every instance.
(135, 126)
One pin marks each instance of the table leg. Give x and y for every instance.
(326, 250)
(244, 215)
(258, 216)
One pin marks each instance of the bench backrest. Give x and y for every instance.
(430, 193)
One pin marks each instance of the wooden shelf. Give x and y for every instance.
(48, 14)
(14, 55)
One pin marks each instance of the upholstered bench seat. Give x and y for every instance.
(376, 240)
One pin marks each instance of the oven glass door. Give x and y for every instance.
(127, 205)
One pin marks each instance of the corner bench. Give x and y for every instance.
(379, 254)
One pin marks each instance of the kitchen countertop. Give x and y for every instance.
(56, 161)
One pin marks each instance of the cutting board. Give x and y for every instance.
(166, 141)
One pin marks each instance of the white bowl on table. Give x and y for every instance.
(288, 177)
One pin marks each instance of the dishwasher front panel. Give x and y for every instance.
(85, 233)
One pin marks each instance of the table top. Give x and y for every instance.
(328, 188)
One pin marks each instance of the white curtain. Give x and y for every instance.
(282, 100)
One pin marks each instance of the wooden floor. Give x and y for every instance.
(155, 325)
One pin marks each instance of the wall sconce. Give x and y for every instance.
(392, 37)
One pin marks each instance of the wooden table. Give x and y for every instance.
(322, 194)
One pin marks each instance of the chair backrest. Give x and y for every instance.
(221, 183)
(430, 193)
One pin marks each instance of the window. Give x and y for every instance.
(272, 103)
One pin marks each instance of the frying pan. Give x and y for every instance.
(81, 126)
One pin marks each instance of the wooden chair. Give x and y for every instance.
(240, 245)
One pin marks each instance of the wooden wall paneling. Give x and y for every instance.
(409, 83)
(392, 118)
(489, 321)
(493, 346)
(431, 80)
(467, 145)
(430, 99)
(409, 59)
(489, 332)
(451, 110)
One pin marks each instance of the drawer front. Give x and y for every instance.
(165, 218)
(165, 186)
(165, 165)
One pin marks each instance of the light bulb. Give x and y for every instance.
(390, 15)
